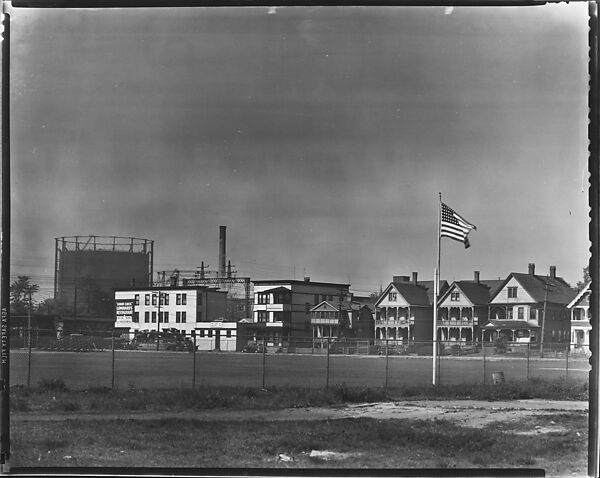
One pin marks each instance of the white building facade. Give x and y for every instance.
(186, 309)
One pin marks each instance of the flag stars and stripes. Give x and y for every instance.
(454, 226)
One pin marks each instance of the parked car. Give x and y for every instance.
(253, 347)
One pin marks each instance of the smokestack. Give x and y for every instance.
(414, 278)
(476, 276)
(222, 245)
(531, 269)
(553, 272)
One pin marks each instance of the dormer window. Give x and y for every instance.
(392, 296)
(454, 296)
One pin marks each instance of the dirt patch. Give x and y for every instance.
(469, 413)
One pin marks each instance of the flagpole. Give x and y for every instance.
(436, 287)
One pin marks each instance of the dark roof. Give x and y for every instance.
(421, 293)
(479, 293)
(278, 289)
(297, 282)
(559, 292)
(510, 324)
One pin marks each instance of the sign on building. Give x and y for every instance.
(124, 309)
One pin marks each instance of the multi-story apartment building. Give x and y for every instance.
(282, 309)
(464, 308)
(580, 319)
(184, 308)
(404, 311)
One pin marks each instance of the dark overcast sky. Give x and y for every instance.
(319, 136)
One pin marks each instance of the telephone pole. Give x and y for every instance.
(544, 318)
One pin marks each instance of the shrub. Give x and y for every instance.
(52, 385)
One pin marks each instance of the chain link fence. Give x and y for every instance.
(172, 359)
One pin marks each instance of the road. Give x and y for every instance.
(174, 369)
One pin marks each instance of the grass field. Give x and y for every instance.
(175, 369)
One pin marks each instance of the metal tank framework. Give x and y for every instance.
(88, 265)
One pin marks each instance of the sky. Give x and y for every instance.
(320, 137)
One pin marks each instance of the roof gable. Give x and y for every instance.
(581, 296)
(324, 306)
(534, 286)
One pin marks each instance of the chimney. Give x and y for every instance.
(401, 279)
(553, 272)
(531, 269)
(222, 241)
(414, 278)
(307, 279)
(476, 276)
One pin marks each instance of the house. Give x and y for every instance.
(579, 309)
(181, 308)
(463, 309)
(350, 319)
(517, 309)
(282, 309)
(404, 311)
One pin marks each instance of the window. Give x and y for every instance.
(512, 292)
(147, 299)
(162, 298)
(178, 299)
(183, 299)
(183, 316)
(137, 299)
(153, 316)
(166, 317)
(531, 313)
(210, 332)
(509, 314)
(166, 298)
(262, 316)
(202, 332)
(229, 333)
(521, 313)
(136, 317)
(177, 317)
(455, 296)
(146, 316)
(263, 298)
(392, 296)
(153, 299)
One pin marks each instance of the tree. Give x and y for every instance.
(586, 278)
(20, 291)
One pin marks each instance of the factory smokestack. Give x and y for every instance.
(222, 245)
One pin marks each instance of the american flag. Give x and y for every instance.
(454, 226)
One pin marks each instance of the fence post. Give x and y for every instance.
(386, 364)
(264, 363)
(112, 347)
(194, 358)
(483, 347)
(528, 353)
(327, 376)
(567, 358)
(29, 358)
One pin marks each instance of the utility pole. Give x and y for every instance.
(544, 318)
(158, 323)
